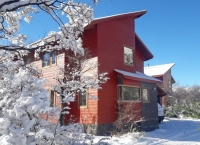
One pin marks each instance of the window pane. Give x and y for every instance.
(131, 93)
(27, 60)
(128, 56)
(145, 95)
(120, 92)
(46, 59)
(52, 98)
(82, 98)
(53, 55)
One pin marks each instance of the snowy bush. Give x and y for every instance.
(185, 102)
(127, 121)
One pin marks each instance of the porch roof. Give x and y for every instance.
(161, 92)
(138, 76)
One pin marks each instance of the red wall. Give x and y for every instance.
(112, 36)
(139, 61)
(85, 115)
(90, 41)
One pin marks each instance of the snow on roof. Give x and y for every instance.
(137, 75)
(158, 69)
(119, 14)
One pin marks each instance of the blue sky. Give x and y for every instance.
(170, 29)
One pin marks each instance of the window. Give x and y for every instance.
(52, 98)
(53, 57)
(27, 60)
(128, 93)
(145, 95)
(83, 99)
(128, 56)
(49, 58)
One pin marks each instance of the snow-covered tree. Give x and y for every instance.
(22, 103)
(12, 13)
(23, 100)
(184, 102)
(79, 74)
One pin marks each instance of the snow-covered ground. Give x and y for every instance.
(171, 132)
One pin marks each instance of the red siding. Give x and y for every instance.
(90, 41)
(112, 36)
(132, 110)
(88, 114)
(139, 61)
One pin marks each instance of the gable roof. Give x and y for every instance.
(158, 70)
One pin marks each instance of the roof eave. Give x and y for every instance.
(161, 91)
(142, 47)
(135, 15)
(138, 76)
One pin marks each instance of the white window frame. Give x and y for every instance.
(127, 51)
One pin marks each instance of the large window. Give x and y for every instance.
(49, 58)
(128, 56)
(83, 99)
(128, 93)
(145, 95)
(52, 98)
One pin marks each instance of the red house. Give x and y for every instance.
(163, 73)
(113, 44)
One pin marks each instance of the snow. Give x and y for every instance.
(160, 110)
(119, 14)
(137, 75)
(158, 69)
(171, 132)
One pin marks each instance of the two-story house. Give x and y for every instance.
(114, 45)
(163, 73)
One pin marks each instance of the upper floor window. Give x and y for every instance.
(83, 99)
(49, 58)
(128, 56)
(128, 93)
